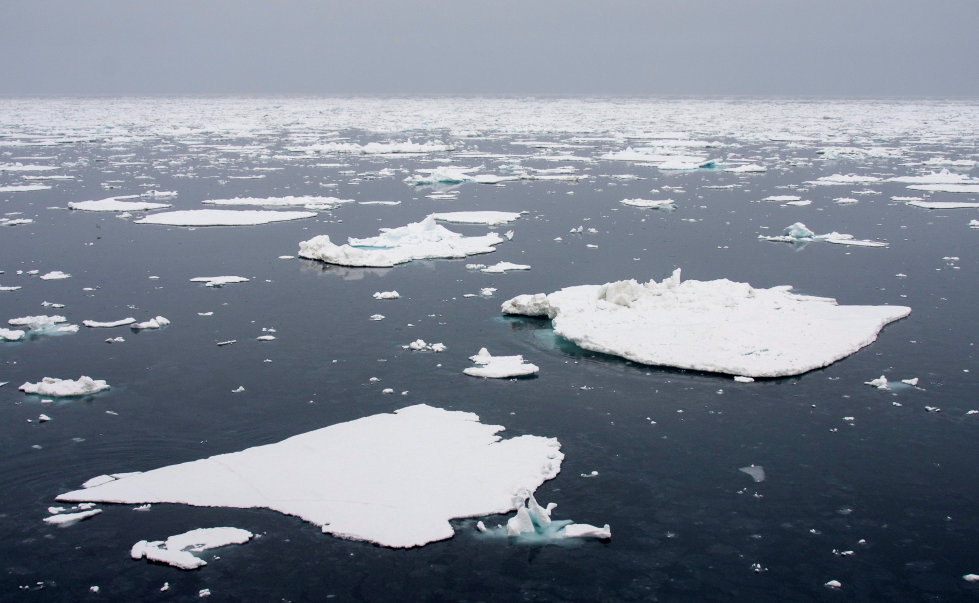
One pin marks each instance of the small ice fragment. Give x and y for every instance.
(93, 589)
(879, 382)
(480, 526)
(933, 409)
(487, 291)
(912, 382)
(833, 584)
(971, 577)
(238, 389)
(499, 367)
(757, 472)
(386, 295)
(94, 324)
(153, 323)
(387, 390)
(592, 474)
(743, 379)
(54, 275)
(66, 519)
(115, 340)
(265, 338)
(218, 281)
(377, 317)
(43, 418)
(177, 550)
(204, 592)
(502, 267)
(228, 342)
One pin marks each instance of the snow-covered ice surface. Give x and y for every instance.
(65, 388)
(653, 450)
(489, 218)
(174, 550)
(117, 204)
(426, 466)
(798, 233)
(717, 326)
(223, 217)
(499, 367)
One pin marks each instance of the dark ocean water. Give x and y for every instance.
(897, 484)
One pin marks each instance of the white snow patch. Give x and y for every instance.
(425, 466)
(716, 326)
(499, 367)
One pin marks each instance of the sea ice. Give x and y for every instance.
(757, 472)
(415, 241)
(502, 267)
(386, 295)
(716, 326)
(11, 334)
(393, 479)
(746, 169)
(65, 519)
(218, 281)
(649, 203)
(223, 217)
(798, 233)
(94, 324)
(532, 523)
(946, 188)
(499, 367)
(942, 177)
(44, 325)
(973, 223)
(843, 179)
(945, 204)
(174, 551)
(308, 202)
(153, 323)
(64, 388)
(117, 204)
(54, 275)
(23, 188)
(374, 148)
(782, 198)
(489, 218)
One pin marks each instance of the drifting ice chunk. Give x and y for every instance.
(426, 466)
(973, 223)
(419, 345)
(415, 241)
(65, 519)
(23, 188)
(716, 326)
(153, 323)
(218, 281)
(782, 198)
(533, 523)
(746, 169)
(499, 367)
(489, 218)
(308, 202)
(944, 204)
(223, 217)
(798, 233)
(12, 334)
(116, 204)
(43, 325)
(649, 203)
(843, 179)
(51, 386)
(54, 276)
(757, 472)
(94, 324)
(386, 295)
(174, 551)
(946, 188)
(942, 177)
(502, 267)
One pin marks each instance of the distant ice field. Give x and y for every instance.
(720, 427)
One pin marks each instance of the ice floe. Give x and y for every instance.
(942, 177)
(499, 367)
(65, 388)
(489, 218)
(533, 524)
(946, 188)
(117, 204)
(750, 168)
(223, 217)
(174, 550)
(23, 188)
(309, 202)
(11, 334)
(649, 203)
(944, 204)
(153, 323)
(94, 324)
(757, 472)
(393, 479)
(839, 179)
(54, 275)
(420, 345)
(415, 241)
(44, 325)
(218, 281)
(374, 148)
(501, 267)
(67, 519)
(798, 233)
(716, 326)
(386, 295)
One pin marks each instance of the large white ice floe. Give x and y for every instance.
(308, 202)
(223, 217)
(395, 479)
(499, 367)
(798, 233)
(117, 204)
(12, 334)
(716, 326)
(65, 388)
(418, 240)
(178, 550)
(489, 218)
(946, 188)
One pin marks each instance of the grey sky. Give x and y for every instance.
(771, 47)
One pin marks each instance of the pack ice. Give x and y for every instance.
(395, 479)
(716, 326)
(415, 241)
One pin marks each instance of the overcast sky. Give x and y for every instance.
(689, 47)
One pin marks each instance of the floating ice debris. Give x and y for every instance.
(11, 334)
(945, 204)
(15, 221)
(834, 584)
(386, 295)
(238, 389)
(913, 382)
(418, 240)
(932, 409)
(10, 288)
(426, 466)
(419, 345)
(743, 379)
(265, 338)
(782, 198)
(377, 317)
(224, 343)
(43, 418)
(67, 519)
(374, 148)
(115, 340)
(44, 325)
(153, 323)
(973, 223)
(379, 203)
(54, 275)
(489, 218)
(223, 217)
(499, 367)
(757, 472)
(843, 179)
(971, 577)
(487, 291)
(946, 188)
(799, 203)
(717, 326)
(308, 202)
(749, 168)
(798, 233)
(942, 177)
(879, 382)
(444, 174)
(23, 188)
(64, 388)
(218, 281)
(174, 551)
(94, 324)
(845, 200)
(533, 524)
(502, 267)
(20, 167)
(961, 163)
(117, 204)
(683, 164)
(649, 203)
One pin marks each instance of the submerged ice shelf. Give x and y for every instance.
(394, 479)
(716, 326)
